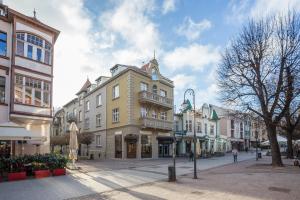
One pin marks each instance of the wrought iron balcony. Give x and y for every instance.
(152, 98)
(152, 123)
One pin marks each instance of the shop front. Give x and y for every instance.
(165, 146)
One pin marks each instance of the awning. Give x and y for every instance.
(12, 131)
(131, 138)
(165, 139)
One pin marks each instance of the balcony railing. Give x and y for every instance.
(158, 124)
(149, 97)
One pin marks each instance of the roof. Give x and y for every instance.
(36, 22)
(12, 131)
(84, 88)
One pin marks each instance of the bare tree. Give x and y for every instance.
(252, 74)
(87, 139)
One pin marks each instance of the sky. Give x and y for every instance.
(188, 37)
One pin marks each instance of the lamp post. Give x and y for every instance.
(192, 92)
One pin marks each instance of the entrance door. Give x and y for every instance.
(131, 149)
(164, 150)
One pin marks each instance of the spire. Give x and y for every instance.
(154, 54)
(34, 13)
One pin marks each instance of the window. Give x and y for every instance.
(98, 120)
(39, 54)
(98, 140)
(116, 92)
(2, 89)
(154, 115)
(34, 40)
(232, 128)
(19, 88)
(154, 74)
(188, 125)
(20, 48)
(75, 112)
(80, 101)
(36, 92)
(87, 106)
(80, 116)
(144, 86)
(143, 112)
(86, 123)
(99, 100)
(212, 127)
(47, 56)
(241, 130)
(115, 115)
(163, 115)
(154, 89)
(3, 44)
(205, 129)
(146, 146)
(199, 128)
(163, 93)
(29, 51)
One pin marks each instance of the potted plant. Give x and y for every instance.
(15, 168)
(41, 170)
(58, 165)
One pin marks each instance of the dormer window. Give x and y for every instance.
(154, 74)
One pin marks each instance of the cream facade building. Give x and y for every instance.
(136, 113)
(26, 77)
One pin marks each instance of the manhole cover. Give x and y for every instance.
(278, 189)
(197, 192)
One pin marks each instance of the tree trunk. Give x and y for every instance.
(290, 153)
(276, 155)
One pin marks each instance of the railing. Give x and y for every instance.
(156, 123)
(156, 99)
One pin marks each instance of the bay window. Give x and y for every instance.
(37, 48)
(31, 91)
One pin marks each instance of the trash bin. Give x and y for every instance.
(172, 175)
(259, 155)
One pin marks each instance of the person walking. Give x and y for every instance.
(191, 156)
(235, 154)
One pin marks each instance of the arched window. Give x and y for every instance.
(154, 74)
(154, 89)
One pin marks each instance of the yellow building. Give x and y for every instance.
(139, 112)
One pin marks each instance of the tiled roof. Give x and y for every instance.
(84, 87)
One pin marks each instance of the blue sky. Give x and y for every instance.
(187, 35)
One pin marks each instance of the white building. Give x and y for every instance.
(26, 76)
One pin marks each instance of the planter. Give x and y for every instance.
(15, 176)
(59, 172)
(42, 173)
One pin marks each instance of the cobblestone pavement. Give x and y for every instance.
(103, 176)
(248, 180)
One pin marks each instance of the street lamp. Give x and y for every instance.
(192, 92)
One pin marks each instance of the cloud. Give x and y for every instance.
(168, 6)
(240, 11)
(196, 56)
(130, 23)
(192, 30)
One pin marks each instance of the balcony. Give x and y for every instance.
(155, 99)
(157, 124)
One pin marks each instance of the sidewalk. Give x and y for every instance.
(247, 180)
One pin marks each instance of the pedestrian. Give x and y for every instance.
(191, 156)
(235, 154)
(246, 149)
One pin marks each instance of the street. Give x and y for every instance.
(102, 176)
